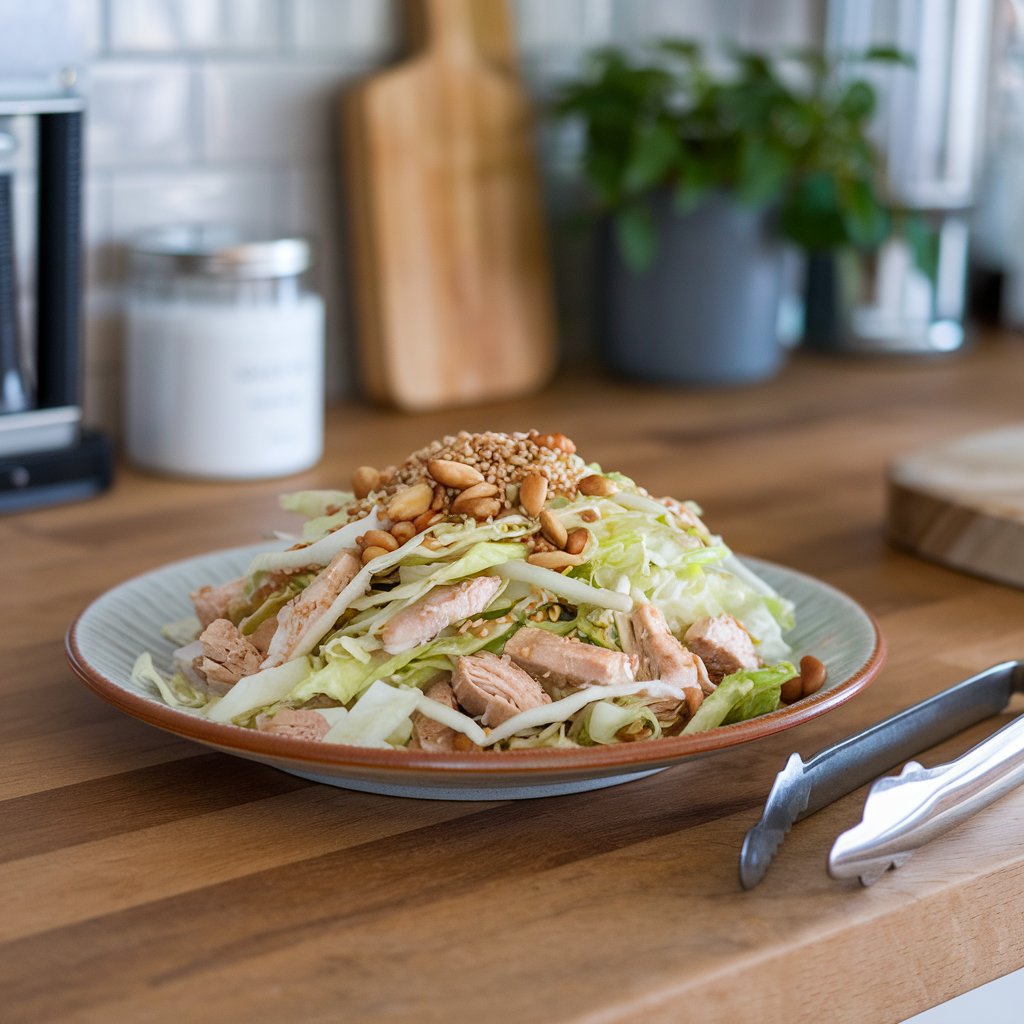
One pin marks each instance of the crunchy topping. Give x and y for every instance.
(499, 460)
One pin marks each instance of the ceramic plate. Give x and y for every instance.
(104, 641)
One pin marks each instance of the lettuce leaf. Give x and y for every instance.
(177, 691)
(312, 504)
(742, 695)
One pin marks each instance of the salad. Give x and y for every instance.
(494, 591)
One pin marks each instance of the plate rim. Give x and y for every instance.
(481, 764)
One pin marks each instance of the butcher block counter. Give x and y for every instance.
(145, 877)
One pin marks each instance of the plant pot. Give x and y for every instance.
(706, 311)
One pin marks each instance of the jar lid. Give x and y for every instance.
(220, 251)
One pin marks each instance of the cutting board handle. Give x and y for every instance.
(446, 26)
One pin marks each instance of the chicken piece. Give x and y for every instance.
(661, 656)
(212, 603)
(495, 689)
(428, 734)
(227, 655)
(299, 725)
(261, 636)
(304, 610)
(558, 662)
(442, 607)
(723, 645)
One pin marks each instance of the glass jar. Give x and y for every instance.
(224, 354)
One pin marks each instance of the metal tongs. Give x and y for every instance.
(905, 811)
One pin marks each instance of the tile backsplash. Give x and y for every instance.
(225, 109)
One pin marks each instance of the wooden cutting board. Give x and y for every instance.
(453, 288)
(962, 503)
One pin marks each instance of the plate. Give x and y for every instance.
(104, 641)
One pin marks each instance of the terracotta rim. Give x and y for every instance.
(632, 756)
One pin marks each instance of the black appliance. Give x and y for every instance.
(45, 454)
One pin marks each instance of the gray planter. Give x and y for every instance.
(706, 312)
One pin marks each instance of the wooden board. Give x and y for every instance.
(453, 288)
(962, 503)
(145, 878)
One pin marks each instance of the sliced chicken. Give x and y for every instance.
(300, 725)
(723, 645)
(439, 609)
(261, 636)
(302, 611)
(558, 662)
(428, 734)
(661, 656)
(227, 655)
(213, 603)
(495, 689)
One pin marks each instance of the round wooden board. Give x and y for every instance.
(961, 503)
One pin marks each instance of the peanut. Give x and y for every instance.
(454, 474)
(428, 518)
(379, 539)
(812, 675)
(557, 560)
(552, 528)
(790, 691)
(557, 441)
(589, 515)
(372, 552)
(483, 490)
(365, 480)
(463, 743)
(437, 503)
(481, 508)
(533, 492)
(403, 532)
(410, 503)
(596, 485)
(577, 541)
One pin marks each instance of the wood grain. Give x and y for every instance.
(962, 503)
(146, 878)
(453, 290)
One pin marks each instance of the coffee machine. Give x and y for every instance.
(46, 456)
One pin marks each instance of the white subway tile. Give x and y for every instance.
(543, 24)
(310, 206)
(198, 195)
(779, 24)
(367, 28)
(270, 112)
(139, 113)
(193, 25)
(710, 20)
(39, 37)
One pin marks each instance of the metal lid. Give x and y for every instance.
(220, 251)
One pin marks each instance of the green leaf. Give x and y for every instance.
(693, 183)
(865, 219)
(636, 236)
(653, 156)
(810, 214)
(888, 54)
(762, 171)
(923, 240)
(857, 101)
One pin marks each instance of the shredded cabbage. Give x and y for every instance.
(176, 691)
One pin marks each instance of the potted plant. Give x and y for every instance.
(702, 175)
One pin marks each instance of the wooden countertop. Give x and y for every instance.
(146, 877)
